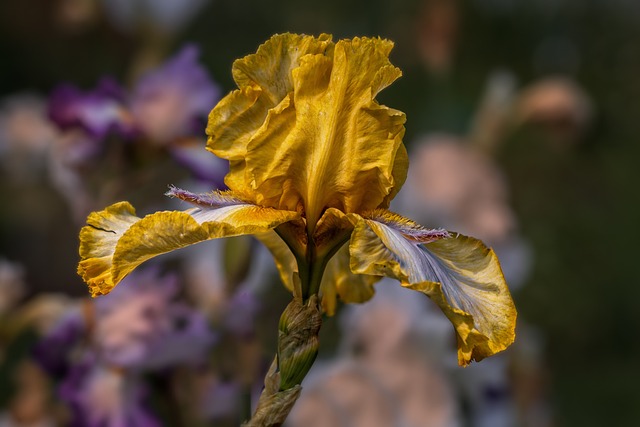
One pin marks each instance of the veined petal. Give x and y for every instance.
(311, 135)
(458, 273)
(116, 241)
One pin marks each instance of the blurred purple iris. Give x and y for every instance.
(98, 112)
(99, 396)
(99, 352)
(173, 100)
(167, 103)
(53, 351)
(141, 325)
(167, 107)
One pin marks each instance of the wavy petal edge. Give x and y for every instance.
(115, 241)
(459, 273)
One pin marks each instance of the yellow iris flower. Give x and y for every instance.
(314, 164)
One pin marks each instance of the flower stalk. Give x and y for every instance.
(298, 344)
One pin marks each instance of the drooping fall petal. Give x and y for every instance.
(304, 131)
(116, 241)
(460, 274)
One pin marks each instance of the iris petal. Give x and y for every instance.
(304, 131)
(264, 80)
(116, 241)
(461, 275)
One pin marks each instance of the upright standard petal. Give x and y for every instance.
(458, 273)
(264, 80)
(116, 241)
(311, 135)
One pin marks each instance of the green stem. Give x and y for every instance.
(297, 349)
(313, 270)
(319, 264)
(298, 330)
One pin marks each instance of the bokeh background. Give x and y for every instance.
(522, 123)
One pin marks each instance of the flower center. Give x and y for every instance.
(311, 257)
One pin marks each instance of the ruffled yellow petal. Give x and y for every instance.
(264, 80)
(98, 241)
(458, 273)
(116, 241)
(308, 134)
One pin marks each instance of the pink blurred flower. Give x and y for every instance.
(458, 188)
(143, 326)
(557, 104)
(25, 136)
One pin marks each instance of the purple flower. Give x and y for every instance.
(172, 101)
(142, 326)
(99, 351)
(53, 351)
(103, 397)
(167, 107)
(98, 112)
